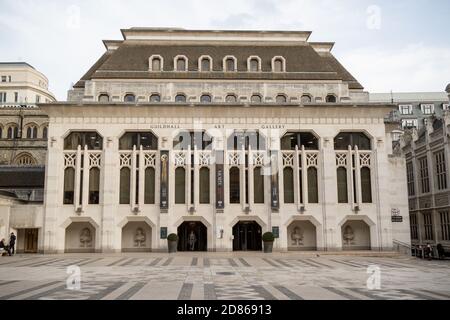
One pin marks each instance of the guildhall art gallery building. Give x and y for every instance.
(226, 134)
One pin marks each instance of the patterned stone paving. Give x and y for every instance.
(223, 276)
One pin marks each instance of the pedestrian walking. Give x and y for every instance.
(12, 243)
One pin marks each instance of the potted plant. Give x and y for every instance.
(172, 240)
(268, 239)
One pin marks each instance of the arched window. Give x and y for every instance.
(24, 160)
(1, 132)
(199, 139)
(230, 64)
(331, 98)
(345, 139)
(31, 132)
(94, 186)
(13, 132)
(235, 188)
(231, 98)
(246, 139)
(149, 187)
(78, 138)
(258, 185)
(129, 98)
(180, 185)
(205, 64)
(254, 64)
(342, 185)
(181, 63)
(125, 176)
(306, 98)
(366, 185)
(256, 98)
(180, 98)
(204, 186)
(288, 184)
(281, 98)
(278, 65)
(206, 98)
(298, 139)
(313, 190)
(69, 185)
(155, 98)
(103, 98)
(147, 140)
(45, 133)
(156, 64)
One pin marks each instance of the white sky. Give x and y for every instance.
(398, 45)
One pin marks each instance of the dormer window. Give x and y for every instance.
(278, 64)
(405, 109)
(331, 98)
(427, 108)
(181, 63)
(130, 98)
(156, 63)
(206, 98)
(230, 64)
(281, 98)
(306, 98)
(254, 64)
(231, 98)
(205, 63)
(155, 98)
(180, 98)
(256, 98)
(103, 98)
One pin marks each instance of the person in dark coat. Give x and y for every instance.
(12, 243)
(4, 246)
(441, 251)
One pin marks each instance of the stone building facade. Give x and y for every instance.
(220, 136)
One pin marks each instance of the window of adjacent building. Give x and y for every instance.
(156, 64)
(413, 223)
(445, 225)
(254, 65)
(258, 183)
(1, 132)
(16, 97)
(256, 98)
(331, 98)
(180, 98)
(129, 98)
(13, 132)
(409, 123)
(125, 185)
(32, 132)
(366, 185)
(440, 170)
(155, 98)
(195, 139)
(69, 185)
(149, 186)
(281, 98)
(24, 160)
(424, 176)
(181, 64)
(313, 189)
(246, 139)
(9, 78)
(428, 226)
(103, 98)
(353, 139)
(231, 98)
(278, 65)
(45, 133)
(94, 186)
(180, 185)
(2, 97)
(288, 184)
(38, 99)
(205, 64)
(230, 64)
(405, 109)
(206, 98)
(427, 108)
(235, 189)
(291, 140)
(342, 185)
(4, 78)
(306, 98)
(91, 139)
(147, 140)
(204, 192)
(410, 179)
(445, 106)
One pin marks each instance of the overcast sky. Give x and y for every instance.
(401, 45)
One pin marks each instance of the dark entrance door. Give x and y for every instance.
(247, 236)
(31, 240)
(192, 236)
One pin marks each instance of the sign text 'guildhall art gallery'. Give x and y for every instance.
(224, 135)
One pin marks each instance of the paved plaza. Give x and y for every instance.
(223, 276)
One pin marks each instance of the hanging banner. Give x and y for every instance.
(274, 191)
(164, 184)
(220, 180)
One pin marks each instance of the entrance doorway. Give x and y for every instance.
(192, 236)
(247, 236)
(27, 240)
